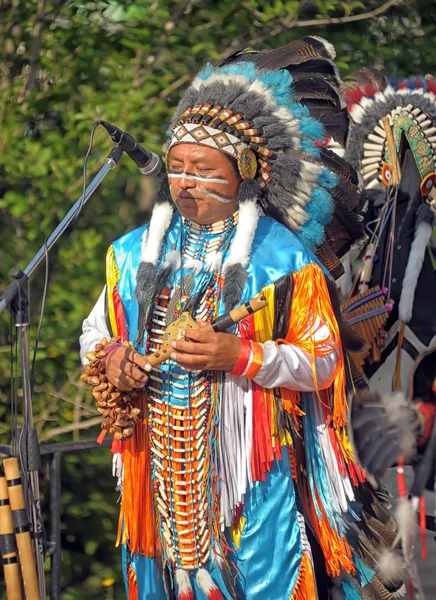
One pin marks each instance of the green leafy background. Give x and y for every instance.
(65, 64)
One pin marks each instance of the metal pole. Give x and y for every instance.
(55, 526)
(32, 460)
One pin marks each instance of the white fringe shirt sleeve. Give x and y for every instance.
(290, 367)
(94, 327)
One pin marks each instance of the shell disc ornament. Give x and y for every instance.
(247, 163)
(386, 174)
(427, 184)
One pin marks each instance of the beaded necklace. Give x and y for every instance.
(182, 421)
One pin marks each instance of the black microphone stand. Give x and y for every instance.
(15, 300)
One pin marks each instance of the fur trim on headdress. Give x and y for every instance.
(423, 232)
(152, 239)
(249, 195)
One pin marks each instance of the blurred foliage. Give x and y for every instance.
(66, 64)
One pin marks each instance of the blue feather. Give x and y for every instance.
(299, 111)
(312, 233)
(321, 206)
(364, 573)
(279, 84)
(312, 128)
(206, 71)
(327, 179)
(349, 590)
(309, 147)
(246, 69)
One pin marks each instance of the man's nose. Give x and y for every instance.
(187, 181)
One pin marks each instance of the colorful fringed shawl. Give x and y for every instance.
(281, 440)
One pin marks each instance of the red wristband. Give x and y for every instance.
(110, 349)
(243, 358)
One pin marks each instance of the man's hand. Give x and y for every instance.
(201, 350)
(122, 368)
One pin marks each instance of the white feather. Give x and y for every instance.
(357, 113)
(390, 566)
(183, 581)
(297, 215)
(328, 46)
(219, 77)
(159, 223)
(292, 125)
(193, 263)
(214, 261)
(240, 249)
(260, 88)
(205, 581)
(405, 517)
(414, 265)
(173, 259)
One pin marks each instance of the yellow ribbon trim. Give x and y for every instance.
(236, 532)
(112, 278)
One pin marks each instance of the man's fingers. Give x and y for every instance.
(137, 358)
(128, 383)
(190, 360)
(199, 336)
(132, 371)
(190, 347)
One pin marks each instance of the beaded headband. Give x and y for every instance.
(193, 128)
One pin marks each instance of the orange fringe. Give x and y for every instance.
(311, 301)
(132, 584)
(305, 588)
(136, 508)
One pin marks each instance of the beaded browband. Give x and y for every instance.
(225, 131)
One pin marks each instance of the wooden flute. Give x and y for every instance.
(22, 528)
(8, 546)
(175, 330)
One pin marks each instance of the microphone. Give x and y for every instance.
(147, 162)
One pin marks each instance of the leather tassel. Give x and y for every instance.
(208, 586)
(184, 585)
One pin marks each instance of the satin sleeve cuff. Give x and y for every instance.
(94, 328)
(290, 367)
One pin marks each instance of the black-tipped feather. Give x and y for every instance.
(335, 120)
(312, 86)
(338, 165)
(368, 76)
(228, 580)
(350, 221)
(166, 578)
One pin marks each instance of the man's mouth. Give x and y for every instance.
(185, 196)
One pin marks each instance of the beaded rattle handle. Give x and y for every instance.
(222, 323)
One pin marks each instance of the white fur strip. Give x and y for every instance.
(413, 270)
(340, 486)
(159, 223)
(118, 470)
(240, 249)
(235, 435)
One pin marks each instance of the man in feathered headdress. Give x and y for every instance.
(238, 480)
